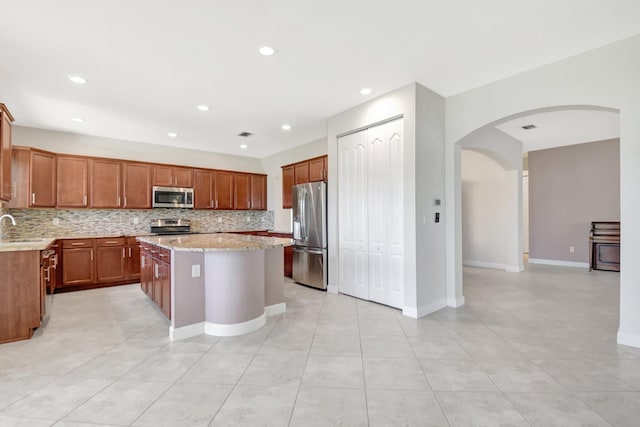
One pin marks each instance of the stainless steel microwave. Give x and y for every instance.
(172, 197)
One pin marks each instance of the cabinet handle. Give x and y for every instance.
(84, 199)
(91, 254)
(211, 204)
(125, 201)
(123, 253)
(47, 276)
(78, 244)
(216, 204)
(111, 242)
(129, 252)
(156, 270)
(250, 204)
(142, 262)
(33, 198)
(118, 200)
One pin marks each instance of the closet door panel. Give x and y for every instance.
(395, 224)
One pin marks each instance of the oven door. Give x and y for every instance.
(171, 197)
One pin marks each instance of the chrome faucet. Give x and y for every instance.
(13, 220)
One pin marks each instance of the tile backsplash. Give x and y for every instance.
(34, 223)
(4, 228)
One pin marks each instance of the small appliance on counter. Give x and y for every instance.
(169, 226)
(310, 234)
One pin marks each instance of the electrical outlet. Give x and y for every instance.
(56, 221)
(136, 220)
(248, 219)
(219, 220)
(195, 270)
(572, 249)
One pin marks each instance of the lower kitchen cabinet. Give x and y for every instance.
(91, 263)
(155, 280)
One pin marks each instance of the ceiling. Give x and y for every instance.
(150, 63)
(560, 128)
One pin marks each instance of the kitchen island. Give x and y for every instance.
(218, 284)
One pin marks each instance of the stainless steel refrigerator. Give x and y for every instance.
(310, 234)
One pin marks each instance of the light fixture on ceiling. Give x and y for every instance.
(365, 91)
(286, 127)
(266, 51)
(77, 120)
(77, 79)
(528, 127)
(203, 107)
(243, 146)
(172, 135)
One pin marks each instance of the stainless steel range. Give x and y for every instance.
(167, 226)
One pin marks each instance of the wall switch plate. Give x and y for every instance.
(248, 219)
(195, 270)
(219, 220)
(56, 221)
(136, 220)
(572, 249)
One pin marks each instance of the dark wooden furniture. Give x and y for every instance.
(310, 170)
(5, 153)
(155, 279)
(604, 246)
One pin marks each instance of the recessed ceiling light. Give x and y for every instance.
(365, 91)
(77, 120)
(203, 107)
(77, 79)
(172, 135)
(266, 50)
(243, 146)
(286, 127)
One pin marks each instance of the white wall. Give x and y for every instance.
(272, 167)
(606, 77)
(423, 144)
(70, 143)
(484, 214)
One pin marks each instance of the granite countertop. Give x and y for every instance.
(25, 245)
(216, 242)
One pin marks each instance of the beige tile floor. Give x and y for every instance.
(532, 349)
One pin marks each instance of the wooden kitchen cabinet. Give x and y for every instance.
(203, 189)
(172, 176)
(78, 266)
(105, 183)
(224, 190)
(73, 182)
(301, 173)
(5, 153)
(133, 259)
(136, 185)
(156, 281)
(287, 183)
(111, 259)
(242, 191)
(34, 178)
(258, 200)
(317, 169)
(146, 270)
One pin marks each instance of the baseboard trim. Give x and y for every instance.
(230, 330)
(274, 309)
(483, 264)
(626, 338)
(332, 289)
(424, 310)
(559, 263)
(195, 329)
(455, 302)
(514, 268)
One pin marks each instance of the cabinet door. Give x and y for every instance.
(157, 282)
(165, 284)
(316, 169)
(224, 186)
(133, 261)
(43, 180)
(110, 263)
(73, 182)
(146, 271)
(105, 183)
(183, 177)
(242, 191)
(5, 156)
(137, 186)
(163, 175)
(301, 173)
(77, 267)
(287, 184)
(258, 192)
(202, 189)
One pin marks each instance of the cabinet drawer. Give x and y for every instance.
(131, 240)
(77, 243)
(164, 254)
(111, 241)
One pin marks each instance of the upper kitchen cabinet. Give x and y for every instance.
(258, 192)
(203, 189)
(73, 182)
(224, 184)
(5, 153)
(105, 183)
(242, 191)
(172, 176)
(287, 183)
(137, 185)
(34, 178)
(310, 170)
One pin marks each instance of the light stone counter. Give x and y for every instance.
(216, 242)
(25, 245)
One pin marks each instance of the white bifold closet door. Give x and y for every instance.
(371, 221)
